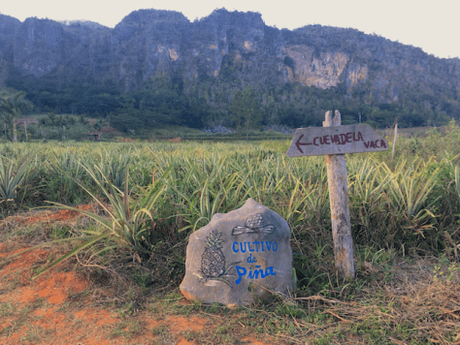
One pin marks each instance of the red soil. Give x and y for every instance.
(57, 307)
(61, 216)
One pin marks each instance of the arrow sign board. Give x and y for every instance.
(316, 141)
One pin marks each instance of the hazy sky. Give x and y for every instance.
(433, 25)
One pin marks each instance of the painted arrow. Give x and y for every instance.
(298, 143)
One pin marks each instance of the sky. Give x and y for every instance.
(432, 25)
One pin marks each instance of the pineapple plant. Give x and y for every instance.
(213, 260)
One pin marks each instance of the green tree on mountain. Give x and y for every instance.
(11, 107)
(245, 110)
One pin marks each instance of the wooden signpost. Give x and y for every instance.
(334, 140)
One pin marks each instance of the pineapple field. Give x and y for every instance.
(134, 204)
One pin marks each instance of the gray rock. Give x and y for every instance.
(239, 257)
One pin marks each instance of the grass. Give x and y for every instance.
(406, 204)
(150, 196)
(126, 329)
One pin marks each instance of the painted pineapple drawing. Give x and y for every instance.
(254, 224)
(213, 260)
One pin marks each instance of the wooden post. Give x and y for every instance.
(25, 130)
(340, 213)
(15, 133)
(394, 142)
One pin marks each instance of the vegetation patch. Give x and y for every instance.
(105, 262)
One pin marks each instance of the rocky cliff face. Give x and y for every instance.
(39, 47)
(8, 29)
(70, 53)
(230, 47)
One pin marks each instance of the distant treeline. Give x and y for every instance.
(163, 102)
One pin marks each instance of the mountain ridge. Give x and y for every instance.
(221, 54)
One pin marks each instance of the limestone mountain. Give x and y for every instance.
(296, 75)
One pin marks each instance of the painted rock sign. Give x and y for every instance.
(239, 257)
(336, 140)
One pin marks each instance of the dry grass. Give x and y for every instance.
(416, 301)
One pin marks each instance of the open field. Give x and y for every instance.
(64, 127)
(142, 200)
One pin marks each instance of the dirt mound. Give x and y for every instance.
(55, 216)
